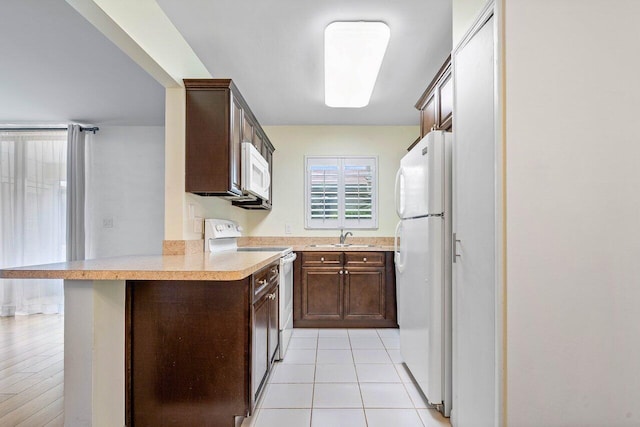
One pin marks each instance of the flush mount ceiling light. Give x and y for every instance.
(353, 53)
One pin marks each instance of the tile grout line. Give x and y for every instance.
(313, 387)
(355, 368)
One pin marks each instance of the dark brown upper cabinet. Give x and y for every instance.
(218, 121)
(436, 103)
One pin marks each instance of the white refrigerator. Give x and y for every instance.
(423, 265)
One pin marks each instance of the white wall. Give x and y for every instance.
(125, 184)
(292, 143)
(464, 13)
(573, 213)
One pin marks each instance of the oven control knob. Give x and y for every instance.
(239, 228)
(219, 227)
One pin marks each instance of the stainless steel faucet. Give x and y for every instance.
(343, 235)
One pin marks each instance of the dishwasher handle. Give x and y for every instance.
(289, 258)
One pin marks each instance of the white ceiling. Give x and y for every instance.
(273, 50)
(56, 67)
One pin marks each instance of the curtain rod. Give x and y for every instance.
(82, 129)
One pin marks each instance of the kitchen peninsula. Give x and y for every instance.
(160, 340)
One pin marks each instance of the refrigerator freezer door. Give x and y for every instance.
(411, 187)
(419, 179)
(436, 168)
(420, 302)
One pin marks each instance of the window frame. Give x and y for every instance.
(341, 222)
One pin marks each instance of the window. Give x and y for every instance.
(33, 178)
(341, 192)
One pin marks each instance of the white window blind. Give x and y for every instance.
(341, 192)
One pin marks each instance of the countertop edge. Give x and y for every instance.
(70, 273)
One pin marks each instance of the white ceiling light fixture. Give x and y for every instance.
(353, 53)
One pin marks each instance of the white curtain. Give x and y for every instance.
(33, 187)
(75, 192)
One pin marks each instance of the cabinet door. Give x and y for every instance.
(474, 222)
(428, 116)
(322, 293)
(247, 129)
(445, 104)
(260, 343)
(364, 291)
(236, 148)
(274, 330)
(257, 142)
(270, 161)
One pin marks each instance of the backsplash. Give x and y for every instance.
(182, 247)
(303, 241)
(186, 247)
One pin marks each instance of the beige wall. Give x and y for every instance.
(573, 209)
(292, 143)
(174, 199)
(465, 13)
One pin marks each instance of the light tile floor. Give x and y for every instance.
(343, 378)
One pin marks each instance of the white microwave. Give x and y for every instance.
(255, 175)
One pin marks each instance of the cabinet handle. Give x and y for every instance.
(272, 296)
(364, 259)
(262, 282)
(274, 270)
(322, 259)
(341, 272)
(346, 272)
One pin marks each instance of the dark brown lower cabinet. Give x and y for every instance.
(322, 291)
(197, 352)
(260, 344)
(344, 290)
(364, 292)
(265, 338)
(274, 330)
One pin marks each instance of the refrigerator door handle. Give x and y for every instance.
(396, 251)
(398, 198)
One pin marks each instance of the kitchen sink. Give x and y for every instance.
(341, 245)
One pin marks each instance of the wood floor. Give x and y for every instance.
(31, 370)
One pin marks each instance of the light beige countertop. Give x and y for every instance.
(202, 266)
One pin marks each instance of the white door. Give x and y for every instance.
(419, 280)
(474, 213)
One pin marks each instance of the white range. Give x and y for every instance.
(222, 235)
